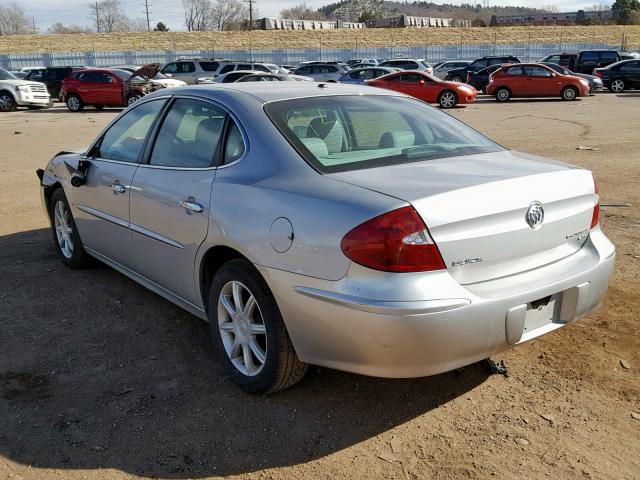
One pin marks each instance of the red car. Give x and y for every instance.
(534, 80)
(111, 87)
(427, 88)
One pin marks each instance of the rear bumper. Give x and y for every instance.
(411, 325)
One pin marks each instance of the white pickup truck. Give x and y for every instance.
(21, 93)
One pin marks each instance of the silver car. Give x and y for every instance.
(322, 72)
(344, 226)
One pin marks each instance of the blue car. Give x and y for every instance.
(360, 75)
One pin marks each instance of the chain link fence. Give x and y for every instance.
(526, 52)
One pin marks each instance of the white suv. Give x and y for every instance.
(21, 93)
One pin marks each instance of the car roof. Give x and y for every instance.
(266, 92)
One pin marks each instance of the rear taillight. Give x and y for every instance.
(469, 77)
(598, 74)
(595, 218)
(397, 241)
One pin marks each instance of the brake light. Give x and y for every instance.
(397, 241)
(595, 218)
(598, 73)
(469, 77)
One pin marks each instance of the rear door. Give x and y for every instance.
(171, 192)
(102, 203)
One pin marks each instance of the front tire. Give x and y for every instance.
(447, 99)
(249, 332)
(133, 98)
(65, 232)
(569, 94)
(74, 103)
(503, 94)
(7, 103)
(617, 86)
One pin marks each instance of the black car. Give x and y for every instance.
(480, 79)
(52, 77)
(460, 74)
(584, 61)
(621, 75)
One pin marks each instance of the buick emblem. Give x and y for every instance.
(535, 215)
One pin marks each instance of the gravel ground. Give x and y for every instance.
(101, 379)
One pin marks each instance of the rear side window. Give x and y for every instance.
(343, 133)
(186, 67)
(609, 57)
(189, 135)
(514, 71)
(234, 147)
(124, 139)
(536, 72)
(553, 59)
(261, 68)
(478, 64)
(589, 57)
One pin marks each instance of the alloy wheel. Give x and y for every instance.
(617, 86)
(6, 103)
(64, 230)
(569, 94)
(242, 328)
(447, 100)
(503, 95)
(73, 103)
(133, 99)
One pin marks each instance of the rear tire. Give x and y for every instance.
(74, 103)
(503, 94)
(65, 232)
(249, 332)
(456, 78)
(617, 86)
(447, 99)
(569, 94)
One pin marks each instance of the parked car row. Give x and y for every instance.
(562, 74)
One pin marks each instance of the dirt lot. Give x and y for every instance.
(629, 35)
(102, 379)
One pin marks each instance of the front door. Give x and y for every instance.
(171, 193)
(538, 82)
(101, 205)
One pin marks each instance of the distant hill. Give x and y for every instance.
(355, 10)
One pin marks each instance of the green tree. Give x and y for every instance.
(160, 27)
(626, 12)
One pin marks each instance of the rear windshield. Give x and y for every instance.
(351, 132)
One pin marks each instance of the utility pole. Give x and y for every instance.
(250, 2)
(97, 18)
(146, 9)
(33, 22)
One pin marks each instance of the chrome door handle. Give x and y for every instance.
(190, 205)
(117, 188)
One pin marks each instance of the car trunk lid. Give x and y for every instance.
(475, 208)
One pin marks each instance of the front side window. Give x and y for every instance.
(478, 65)
(410, 78)
(227, 68)
(536, 72)
(553, 59)
(170, 68)
(189, 135)
(209, 66)
(125, 138)
(344, 133)
(261, 68)
(589, 57)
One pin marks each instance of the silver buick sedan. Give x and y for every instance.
(343, 226)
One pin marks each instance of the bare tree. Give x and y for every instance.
(60, 28)
(109, 15)
(197, 14)
(227, 14)
(13, 20)
(302, 11)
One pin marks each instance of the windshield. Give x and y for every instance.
(343, 133)
(123, 74)
(4, 75)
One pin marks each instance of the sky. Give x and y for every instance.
(47, 12)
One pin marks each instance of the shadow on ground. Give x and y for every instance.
(97, 372)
